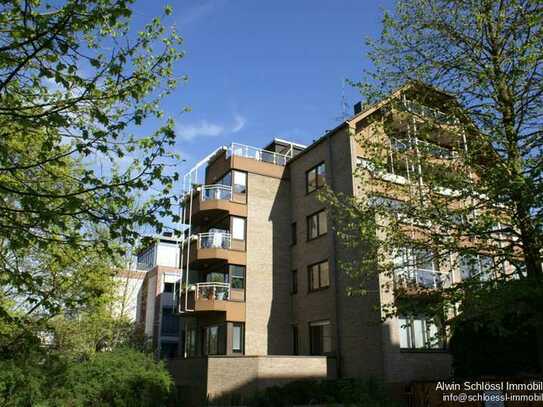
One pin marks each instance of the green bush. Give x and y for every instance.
(353, 392)
(122, 377)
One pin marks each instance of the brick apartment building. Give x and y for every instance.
(262, 297)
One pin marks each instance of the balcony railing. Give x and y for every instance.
(429, 112)
(213, 291)
(258, 154)
(424, 278)
(214, 240)
(434, 150)
(216, 192)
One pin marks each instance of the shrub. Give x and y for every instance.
(122, 377)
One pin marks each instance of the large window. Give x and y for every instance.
(418, 266)
(319, 276)
(238, 228)
(237, 276)
(320, 337)
(190, 341)
(215, 340)
(237, 338)
(476, 266)
(240, 182)
(419, 333)
(315, 177)
(316, 225)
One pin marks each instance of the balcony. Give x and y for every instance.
(210, 201)
(420, 280)
(214, 297)
(212, 247)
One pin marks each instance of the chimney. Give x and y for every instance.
(357, 107)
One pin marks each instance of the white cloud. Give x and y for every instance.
(202, 129)
(205, 128)
(239, 123)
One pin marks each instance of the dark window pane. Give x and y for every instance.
(294, 282)
(311, 180)
(294, 233)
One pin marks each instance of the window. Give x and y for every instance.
(240, 182)
(320, 337)
(217, 277)
(419, 333)
(315, 177)
(294, 282)
(237, 276)
(295, 350)
(238, 228)
(168, 287)
(476, 266)
(168, 350)
(418, 266)
(319, 276)
(226, 179)
(215, 340)
(293, 233)
(316, 225)
(170, 323)
(237, 338)
(190, 341)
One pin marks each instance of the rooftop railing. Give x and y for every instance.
(259, 154)
(214, 240)
(216, 192)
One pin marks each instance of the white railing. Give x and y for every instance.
(216, 192)
(425, 278)
(259, 154)
(402, 145)
(213, 291)
(214, 240)
(426, 111)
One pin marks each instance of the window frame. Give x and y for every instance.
(241, 327)
(310, 288)
(426, 324)
(316, 170)
(232, 277)
(317, 216)
(320, 324)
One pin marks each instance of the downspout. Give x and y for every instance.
(336, 280)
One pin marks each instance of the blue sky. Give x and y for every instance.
(264, 69)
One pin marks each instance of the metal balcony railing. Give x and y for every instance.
(259, 154)
(213, 291)
(424, 278)
(216, 192)
(214, 240)
(434, 150)
(429, 112)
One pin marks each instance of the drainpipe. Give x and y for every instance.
(334, 244)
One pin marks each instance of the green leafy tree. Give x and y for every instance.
(475, 205)
(77, 88)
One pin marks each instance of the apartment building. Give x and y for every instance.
(263, 298)
(147, 294)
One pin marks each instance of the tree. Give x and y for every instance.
(476, 205)
(77, 85)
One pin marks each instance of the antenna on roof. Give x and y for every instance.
(344, 105)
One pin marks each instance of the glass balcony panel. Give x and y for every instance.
(216, 192)
(213, 291)
(214, 240)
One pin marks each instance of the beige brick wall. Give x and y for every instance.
(254, 373)
(268, 260)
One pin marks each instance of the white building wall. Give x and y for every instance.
(167, 254)
(129, 294)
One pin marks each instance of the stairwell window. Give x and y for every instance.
(315, 177)
(319, 276)
(317, 225)
(237, 338)
(418, 332)
(320, 337)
